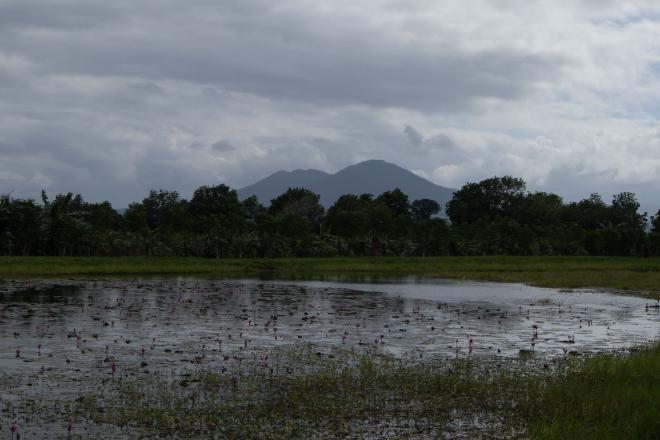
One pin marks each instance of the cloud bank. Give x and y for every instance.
(112, 99)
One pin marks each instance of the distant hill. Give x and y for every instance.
(371, 176)
(275, 184)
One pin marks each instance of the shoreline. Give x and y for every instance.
(640, 276)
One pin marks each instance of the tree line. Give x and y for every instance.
(495, 216)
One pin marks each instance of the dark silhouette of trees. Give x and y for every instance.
(424, 209)
(217, 218)
(655, 223)
(20, 226)
(102, 222)
(348, 219)
(299, 206)
(654, 235)
(63, 225)
(296, 217)
(169, 223)
(494, 216)
(490, 199)
(166, 211)
(137, 232)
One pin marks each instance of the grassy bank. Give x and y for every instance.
(636, 274)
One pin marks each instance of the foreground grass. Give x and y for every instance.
(369, 395)
(602, 397)
(632, 274)
(608, 397)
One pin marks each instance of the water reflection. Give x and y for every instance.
(78, 321)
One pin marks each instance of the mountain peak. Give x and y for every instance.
(372, 176)
(371, 163)
(374, 165)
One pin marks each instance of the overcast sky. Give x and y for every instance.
(113, 98)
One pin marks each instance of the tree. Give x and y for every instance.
(655, 223)
(431, 237)
(64, 226)
(252, 210)
(624, 211)
(399, 218)
(539, 210)
(217, 214)
(137, 228)
(348, 217)
(488, 199)
(20, 226)
(6, 239)
(591, 213)
(298, 211)
(169, 223)
(396, 201)
(166, 211)
(103, 221)
(135, 219)
(654, 236)
(629, 226)
(424, 209)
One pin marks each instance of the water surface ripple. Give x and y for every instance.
(76, 324)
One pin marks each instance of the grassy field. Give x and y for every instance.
(641, 275)
(606, 397)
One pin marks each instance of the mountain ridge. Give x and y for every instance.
(372, 176)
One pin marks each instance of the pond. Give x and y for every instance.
(57, 335)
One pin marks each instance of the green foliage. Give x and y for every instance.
(496, 216)
(655, 223)
(424, 209)
(217, 215)
(166, 211)
(396, 201)
(349, 217)
(63, 225)
(300, 206)
(487, 200)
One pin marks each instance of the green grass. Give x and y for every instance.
(608, 397)
(641, 275)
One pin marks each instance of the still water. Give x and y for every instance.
(65, 324)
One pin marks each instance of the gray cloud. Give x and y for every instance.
(416, 139)
(63, 15)
(115, 98)
(260, 50)
(443, 142)
(222, 146)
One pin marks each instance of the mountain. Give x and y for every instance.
(275, 184)
(371, 176)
